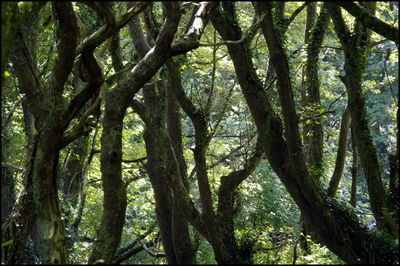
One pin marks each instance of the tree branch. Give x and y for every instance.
(12, 166)
(370, 21)
(294, 15)
(192, 37)
(68, 41)
(82, 126)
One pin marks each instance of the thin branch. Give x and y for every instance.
(140, 237)
(135, 160)
(315, 116)
(294, 15)
(244, 37)
(387, 76)
(214, 130)
(10, 114)
(12, 166)
(84, 121)
(152, 253)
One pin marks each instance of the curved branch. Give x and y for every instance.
(192, 37)
(113, 24)
(370, 21)
(68, 34)
(90, 70)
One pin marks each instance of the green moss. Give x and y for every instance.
(376, 247)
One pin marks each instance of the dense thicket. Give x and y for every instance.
(200, 132)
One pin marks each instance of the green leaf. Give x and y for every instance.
(6, 73)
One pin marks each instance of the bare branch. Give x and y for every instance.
(12, 166)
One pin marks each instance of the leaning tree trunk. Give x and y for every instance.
(334, 225)
(22, 214)
(117, 101)
(173, 226)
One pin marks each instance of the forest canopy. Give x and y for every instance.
(199, 132)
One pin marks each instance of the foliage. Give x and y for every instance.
(265, 213)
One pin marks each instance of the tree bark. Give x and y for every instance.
(180, 232)
(114, 203)
(310, 22)
(327, 218)
(117, 101)
(340, 155)
(12, 16)
(355, 50)
(369, 20)
(313, 93)
(173, 226)
(74, 171)
(354, 171)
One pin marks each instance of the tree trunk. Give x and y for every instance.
(310, 22)
(7, 192)
(180, 232)
(74, 170)
(114, 202)
(49, 225)
(173, 226)
(340, 155)
(22, 214)
(313, 94)
(355, 50)
(354, 172)
(328, 219)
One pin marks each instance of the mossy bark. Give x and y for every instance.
(313, 93)
(114, 202)
(180, 232)
(23, 215)
(162, 119)
(354, 171)
(355, 49)
(72, 176)
(341, 154)
(38, 200)
(334, 227)
(49, 225)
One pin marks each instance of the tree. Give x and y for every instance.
(218, 126)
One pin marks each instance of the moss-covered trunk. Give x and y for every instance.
(313, 94)
(355, 50)
(162, 194)
(159, 120)
(341, 154)
(156, 165)
(23, 215)
(49, 225)
(114, 201)
(333, 225)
